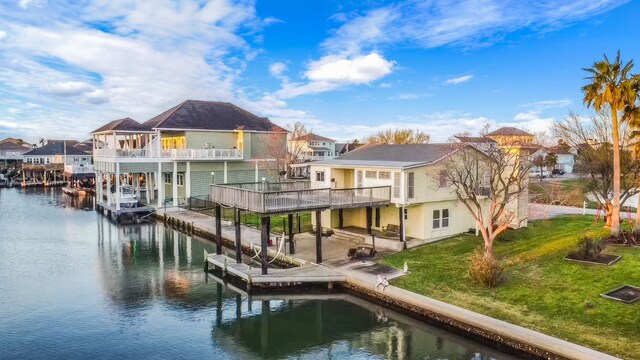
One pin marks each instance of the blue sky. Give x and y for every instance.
(344, 68)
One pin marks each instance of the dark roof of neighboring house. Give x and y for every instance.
(475, 139)
(56, 147)
(394, 155)
(210, 115)
(509, 131)
(558, 150)
(125, 124)
(315, 137)
(13, 146)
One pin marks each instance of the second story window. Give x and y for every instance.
(396, 185)
(320, 176)
(384, 175)
(371, 174)
(411, 182)
(443, 178)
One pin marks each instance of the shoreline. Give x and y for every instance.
(502, 335)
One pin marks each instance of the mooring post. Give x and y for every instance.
(238, 236)
(218, 215)
(292, 249)
(264, 248)
(318, 237)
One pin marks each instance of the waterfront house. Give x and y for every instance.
(306, 148)
(11, 151)
(54, 161)
(180, 152)
(422, 205)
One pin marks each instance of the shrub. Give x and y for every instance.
(486, 272)
(588, 249)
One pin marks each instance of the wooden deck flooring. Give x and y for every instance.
(310, 273)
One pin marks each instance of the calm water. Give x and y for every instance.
(73, 286)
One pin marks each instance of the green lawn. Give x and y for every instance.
(278, 222)
(542, 291)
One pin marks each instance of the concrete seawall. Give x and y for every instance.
(481, 327)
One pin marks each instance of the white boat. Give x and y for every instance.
(128, 198)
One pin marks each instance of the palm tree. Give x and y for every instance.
(611, 87)
(632, 116)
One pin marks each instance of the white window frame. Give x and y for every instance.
(396, 184)
(180, 180)
(439, 221)
(167, 178)
(384, 175)
(411, 185)
(370, 174)
(320, 176)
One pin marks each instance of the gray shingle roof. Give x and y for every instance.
(210, 115)
(56, 148)
(315, 137)
(125, 124)
(392, 155)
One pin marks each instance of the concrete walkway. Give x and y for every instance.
(363, 275)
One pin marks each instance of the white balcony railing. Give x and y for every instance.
(78, 169)
(170, 154)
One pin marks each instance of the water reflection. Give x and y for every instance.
(75, 285)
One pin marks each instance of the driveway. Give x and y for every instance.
(542, 211)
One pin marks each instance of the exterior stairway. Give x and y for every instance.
(348, 236)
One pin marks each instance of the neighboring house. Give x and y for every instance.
(53, 161)
(312, 147)
(11, 151)
(179, 153)
(418, 185)
(517, 141)
(309, 147)
(566, 158)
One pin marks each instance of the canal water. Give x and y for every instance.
(74, 286)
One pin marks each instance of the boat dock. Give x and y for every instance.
(309, 273)
(131, 212)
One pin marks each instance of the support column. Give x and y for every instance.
(369, 220)
(117, 186)
(292, 249)
(318, 237)
(236, 223)
(174, 183)
(402, 236)
(160, 185)
(147, 186)
(340, 219)
(218, 215)
(225, 172)
(264, 242)
(187, 181)
(109, 189)
(256, 171)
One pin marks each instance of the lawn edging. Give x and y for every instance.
(515, 337)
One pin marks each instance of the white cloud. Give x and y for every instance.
(333, 71)
(96, 97)
(459, 80)
(3, 35)
(25, 4)
(467, 23)
(67, 88)
(409, 96)
(548, 104)
(277, 68)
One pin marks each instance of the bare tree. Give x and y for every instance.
(275, 157)
(398, 136)
(487, 182)
(296, 142)
(593, 138)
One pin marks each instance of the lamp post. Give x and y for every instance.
(263, 181)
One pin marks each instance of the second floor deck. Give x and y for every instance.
(273, 198)
(154, 155)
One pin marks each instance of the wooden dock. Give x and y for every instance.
(306, 274)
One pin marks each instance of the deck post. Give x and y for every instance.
(369, 220)
(340, 219)
(218, 220)
(292, 249)
(401, 231)
(236, 222)
(264, 242)
(318, 237)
